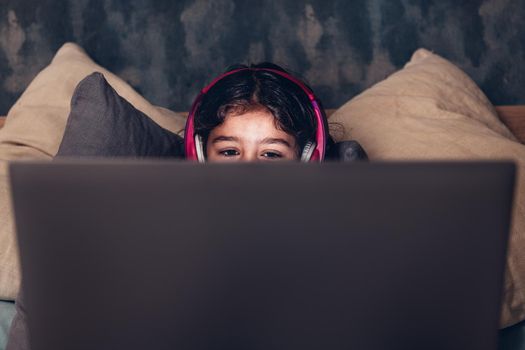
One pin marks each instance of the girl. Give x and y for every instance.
(261, 113)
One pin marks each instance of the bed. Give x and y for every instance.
(428, 110)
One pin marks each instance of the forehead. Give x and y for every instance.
(252, 128)
(259, 121)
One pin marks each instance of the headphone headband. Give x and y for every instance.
(320, 137)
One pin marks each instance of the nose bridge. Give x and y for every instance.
(249, 150)
(249, 155)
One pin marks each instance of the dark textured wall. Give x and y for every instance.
(169, 49)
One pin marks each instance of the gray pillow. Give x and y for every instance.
(103, 124)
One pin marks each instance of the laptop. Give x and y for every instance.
(176, 255)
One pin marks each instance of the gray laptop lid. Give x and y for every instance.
(171, 255)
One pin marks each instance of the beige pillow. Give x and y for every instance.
(432, 110)
(35, 126)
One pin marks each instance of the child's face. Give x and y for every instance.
(249, 137)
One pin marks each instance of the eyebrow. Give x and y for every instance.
(270, 140)
(225, 138)
(267, 140)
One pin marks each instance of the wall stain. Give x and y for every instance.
(168, 50)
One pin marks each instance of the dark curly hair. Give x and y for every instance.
(248, 90)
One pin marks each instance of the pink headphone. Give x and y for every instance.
(314, 151)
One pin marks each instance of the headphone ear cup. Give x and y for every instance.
(199, 148)
(308, 150)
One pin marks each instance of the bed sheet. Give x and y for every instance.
(7, 312)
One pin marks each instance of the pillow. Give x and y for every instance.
(431, 110)
(35, 126)
(103, 124)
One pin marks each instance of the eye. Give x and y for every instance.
(272, 155)
(229, 153)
